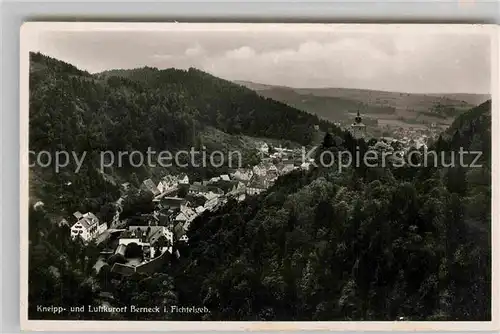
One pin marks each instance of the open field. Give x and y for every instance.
(403, 109)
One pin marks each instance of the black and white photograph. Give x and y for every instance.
(237, 172)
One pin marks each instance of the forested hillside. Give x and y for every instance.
(225, 105)
(75, 111)
(472, 130)
(365, 244)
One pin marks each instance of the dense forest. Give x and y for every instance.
(365, 244)
(361, 244)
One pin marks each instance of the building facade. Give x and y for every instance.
(87, 227)
(358, 129)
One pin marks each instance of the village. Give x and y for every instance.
(143, 245)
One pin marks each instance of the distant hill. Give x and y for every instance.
(225, 105)
(474, 99)
(337, 104)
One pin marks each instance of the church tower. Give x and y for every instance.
(358, 129)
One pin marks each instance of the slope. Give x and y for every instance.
(365, 244)
(137, 110)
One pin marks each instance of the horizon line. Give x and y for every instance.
(237, 81)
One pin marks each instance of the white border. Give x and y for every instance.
(26, 324)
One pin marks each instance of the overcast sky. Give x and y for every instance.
(394, 61)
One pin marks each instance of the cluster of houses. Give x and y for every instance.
(406, 143)
(178, 202)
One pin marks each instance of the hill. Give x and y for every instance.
(472, 131)
(225, 105)
(338, 104)
(136, 110)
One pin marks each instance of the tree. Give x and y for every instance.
(328, 141)
(107, 212)
(137, 204)
(133, 250)
(183, 191)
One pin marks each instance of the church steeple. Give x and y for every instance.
(358, 128)
(358, 118)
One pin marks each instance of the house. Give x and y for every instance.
(216, 190)
(149, 265)
(225, 186)
(160, 236)
(259, 170)
(298, 162)
(121, 249)
(256, 185)
(211, 195)
(276, 155)
(382, 146)
(149, 186)
(285, 167)
(199, 210)
(242, 175)
(183, 178)
(264, 148)
(305, 165)
(272, 172)
(272, 175)
(165, 202)
(214, 179)
(212, 203)
(168, 183)
(238, 188)
(87, 227)
(165, 186)
(197, 189)
(180, 233)
(186, 215)
(148, 237)
(388, 139)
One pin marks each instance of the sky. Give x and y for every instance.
(413, 61)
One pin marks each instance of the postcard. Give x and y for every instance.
(237, 176)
